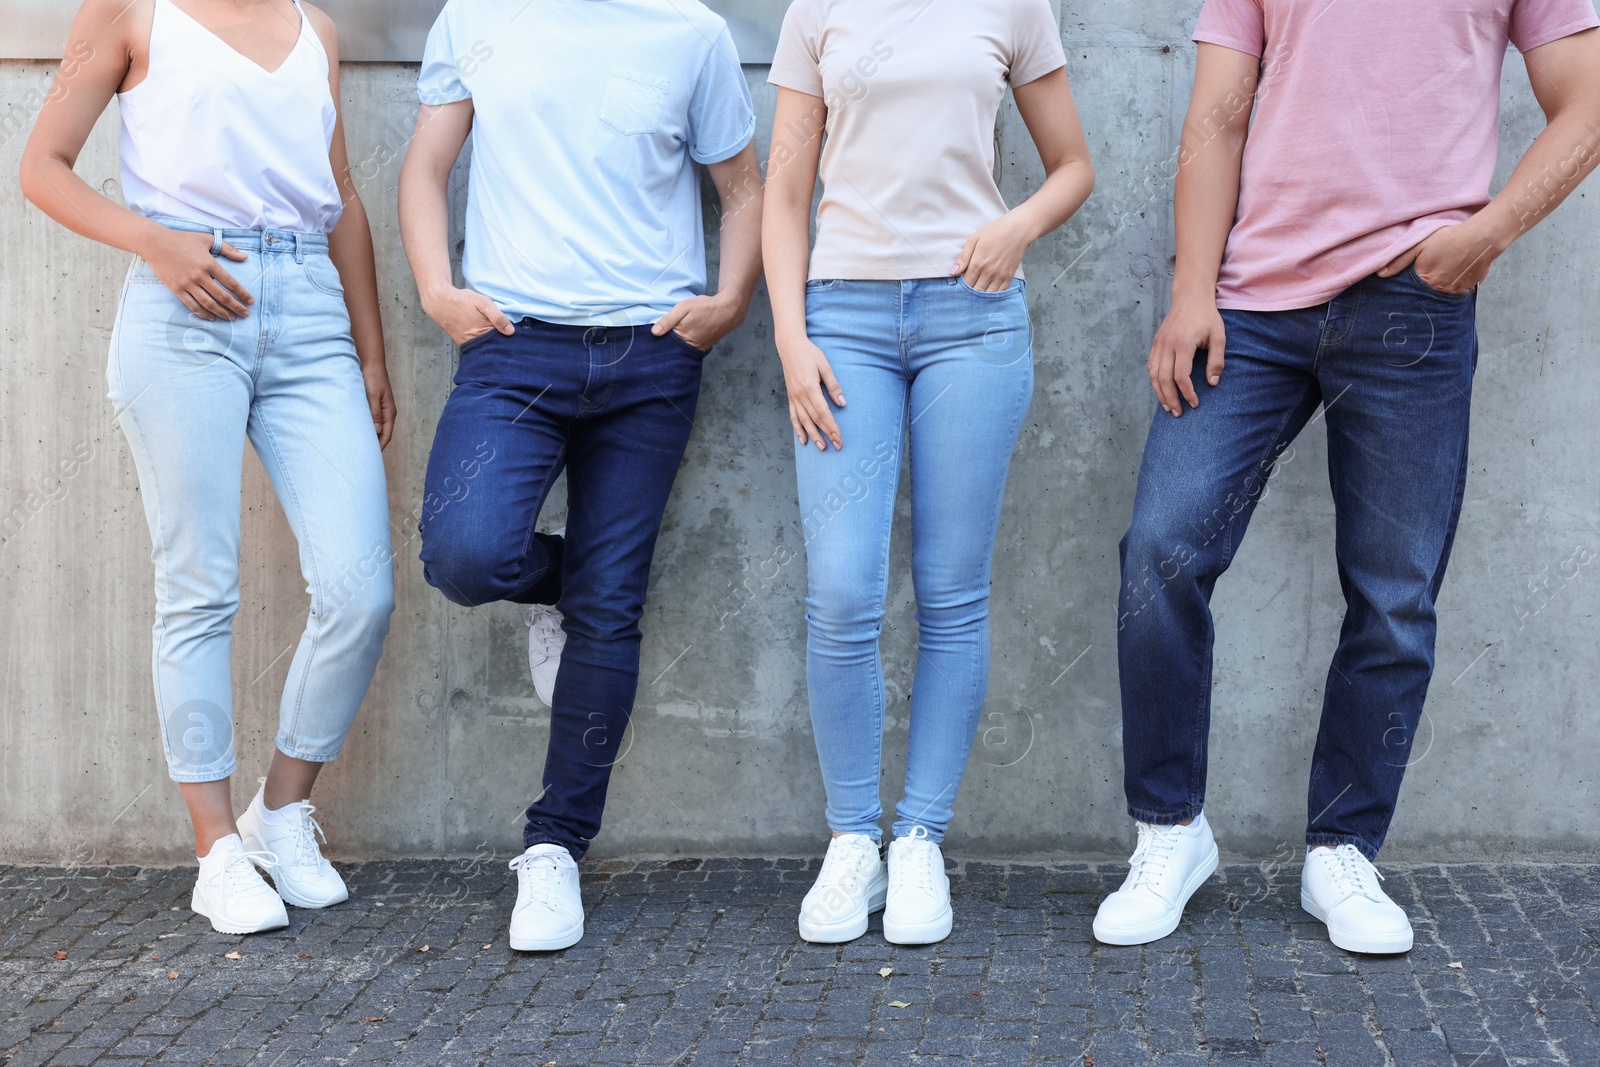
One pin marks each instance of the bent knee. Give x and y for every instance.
(843, 613)
(468, 570)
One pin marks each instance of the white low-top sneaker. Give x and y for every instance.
(231, 892)
(917, 906)
(549, 910)
(546, 639)
(302, 875)
(1340, 887)
(1167, 866)
(850, 887)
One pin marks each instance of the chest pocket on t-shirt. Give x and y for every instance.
(633, 101)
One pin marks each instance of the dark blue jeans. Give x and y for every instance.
(614, 406)
(1389, 362)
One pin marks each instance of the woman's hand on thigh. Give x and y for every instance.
(811, 384)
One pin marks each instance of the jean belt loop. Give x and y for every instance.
(299, 247)
(216, 241)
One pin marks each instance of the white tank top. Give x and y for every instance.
(212, 137)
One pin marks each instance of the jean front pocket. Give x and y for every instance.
(1435, 290)
(633, 101)
(1014, 288)
(698, 353)
(323, 275)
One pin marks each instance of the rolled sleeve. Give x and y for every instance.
(722, 117)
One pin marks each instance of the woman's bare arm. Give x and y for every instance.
(109, 38)
(991, 256)
(786, 250)
(350, 248)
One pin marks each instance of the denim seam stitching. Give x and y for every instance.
(544, 496)
(127, 413)
(313, 281)
(1201, 741)
(316, 583)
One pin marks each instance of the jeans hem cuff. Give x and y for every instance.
(904, 830)
(306, 754)
(201, 777)
(1335, 840)
(576, 851)
(1164, 818)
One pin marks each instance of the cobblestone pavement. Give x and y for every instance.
(691, 962)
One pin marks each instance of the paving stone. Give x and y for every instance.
(694, 963)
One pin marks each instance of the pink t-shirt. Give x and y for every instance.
(1376, 123)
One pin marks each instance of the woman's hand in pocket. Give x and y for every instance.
(184, 263)
(991, 257)
(811, 385)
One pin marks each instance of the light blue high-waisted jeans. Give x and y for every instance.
(187, 392)
(953, 367)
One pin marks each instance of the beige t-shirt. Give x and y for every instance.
(912, 89)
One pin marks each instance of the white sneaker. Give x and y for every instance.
(549, 910)
(917, 906)
(546, 639)
(1167, 866)
(231, 893)
(1340, 887)
(301, 874)
(850, 887)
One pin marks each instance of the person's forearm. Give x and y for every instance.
(786, 251)
(740, 266)
(1205, 200)
(350, 248)
(425, 227)
(1555, 164)
(1058, 199)
(55, 188)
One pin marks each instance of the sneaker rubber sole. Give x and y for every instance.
(1159, 928)
(271, 922)
(927, 932)
(553, 943)
(846, 929)
(1356, 942)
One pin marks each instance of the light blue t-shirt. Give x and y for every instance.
(583, 205)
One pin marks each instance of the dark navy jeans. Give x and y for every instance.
(1388, 366)
(613, 406)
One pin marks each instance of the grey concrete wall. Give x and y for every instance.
(449, 747)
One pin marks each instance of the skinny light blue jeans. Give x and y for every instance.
(950, 368)
(187, 393)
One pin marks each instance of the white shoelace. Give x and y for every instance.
(920, 855)
(240, 870)
(539, 875)
(545, 622)
(307, 830)
(1150, 855)
(1354, 874)
(842, 865)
